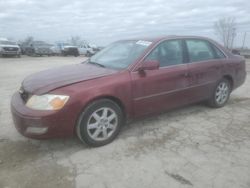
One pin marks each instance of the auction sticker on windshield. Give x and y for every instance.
(143, 42)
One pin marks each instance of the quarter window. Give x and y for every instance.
(167, 53)
(199, 50)
(218, 53)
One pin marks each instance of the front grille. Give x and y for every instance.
(43, 50)
(24, 94)
(12, 49)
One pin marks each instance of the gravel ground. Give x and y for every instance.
(194, 146)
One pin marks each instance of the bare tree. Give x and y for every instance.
(226, 30)
(28, 40)
(77, 41)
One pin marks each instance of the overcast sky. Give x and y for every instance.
(104, 21)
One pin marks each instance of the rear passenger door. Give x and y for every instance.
(204, 68)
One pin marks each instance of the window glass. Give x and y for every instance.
(167, 53)
(199, 50)
(218, 52)
(121, 54)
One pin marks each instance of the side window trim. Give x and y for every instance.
(186, 58)
(212, 48)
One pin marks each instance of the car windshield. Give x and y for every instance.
(120, 55)
(7, 42)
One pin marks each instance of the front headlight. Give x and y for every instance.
(47, 102)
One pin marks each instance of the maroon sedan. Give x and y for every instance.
(127, 79)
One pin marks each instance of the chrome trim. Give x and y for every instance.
(172, 91)
(166, 67)
(204, 61)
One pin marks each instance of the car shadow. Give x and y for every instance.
(135, 128)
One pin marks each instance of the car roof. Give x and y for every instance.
(167, 37)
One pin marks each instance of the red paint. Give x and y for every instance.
(139, 93)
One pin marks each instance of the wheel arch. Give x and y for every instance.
(230, 79)
(112, 98)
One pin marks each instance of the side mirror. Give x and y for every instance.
(149, 65)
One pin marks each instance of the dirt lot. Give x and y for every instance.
(194, 146)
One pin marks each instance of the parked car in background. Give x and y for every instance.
(86, 50)
(65, 49)
(245, 52)
(23, 47)
(96, 48)
(127, 79)
(55, 49)
(38, 48)
(235, 52)
(9, 48)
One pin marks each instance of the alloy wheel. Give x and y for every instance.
(102, 123)
(222, 93)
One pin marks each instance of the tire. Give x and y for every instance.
(76, 54)
(64, 53)
(221, 94)
(97, 128)
(32, 53)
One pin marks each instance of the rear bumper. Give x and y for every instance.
(41, 124)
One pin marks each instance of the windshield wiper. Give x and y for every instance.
(94, 63)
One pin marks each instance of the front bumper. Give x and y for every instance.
(10, 52)
(41, 124)
(43, 52)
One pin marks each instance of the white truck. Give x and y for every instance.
(86, 50)
(9, 48)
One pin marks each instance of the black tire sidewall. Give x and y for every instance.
(82, 123)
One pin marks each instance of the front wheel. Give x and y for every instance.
(221, 94)
(100, 123)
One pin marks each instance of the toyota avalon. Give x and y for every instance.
(127, 79)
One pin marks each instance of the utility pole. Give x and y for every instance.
(244, 39)
(233, 37)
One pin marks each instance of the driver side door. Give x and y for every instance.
(163, 88)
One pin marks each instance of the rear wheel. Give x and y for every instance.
(100, 123)
(221, 94)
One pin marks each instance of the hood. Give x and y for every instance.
(48, 80)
